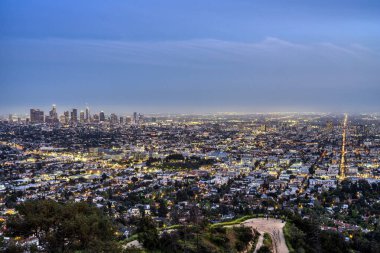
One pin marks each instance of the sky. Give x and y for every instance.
(190, 56)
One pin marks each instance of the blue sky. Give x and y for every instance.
(190, 56)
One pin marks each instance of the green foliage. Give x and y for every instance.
(194, 239)
(333, 242)
(267, 241)
(232, 222)
(367, 242)
(264, 249)
(64, 227)
(179, 162)
(179, 157)
(240, 246)
(304, 235)
(162, 209)
(294, 237)
(244, 234)
(148, 233)
(219, 239)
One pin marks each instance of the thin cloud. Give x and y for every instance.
(208, 70)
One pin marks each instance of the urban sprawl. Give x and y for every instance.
(180, 170)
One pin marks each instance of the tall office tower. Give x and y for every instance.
(102, 117)
(62, 119)
(66, 115)
(113, 119)
(81, 116)
(121, 120)
(10, 118)
(140, 118)
(96, 118)
(135, 118)
(74, 116)
(53, 115)
(87, 118)
(36, 116)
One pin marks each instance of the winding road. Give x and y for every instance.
(274, 227)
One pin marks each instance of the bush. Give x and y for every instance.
(264, 249)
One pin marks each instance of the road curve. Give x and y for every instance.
(274, 227)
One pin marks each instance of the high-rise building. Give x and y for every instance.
(62, 119)
(95, 118)
(113, 119)
(53, 115)
(36, 116)
(140, 119)
(102, 117)
(66, 115)
(135, 118)
(74, 116)
(81, 116)
(87, 117)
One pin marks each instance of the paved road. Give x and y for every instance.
(274, 228)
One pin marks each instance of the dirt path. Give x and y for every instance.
(259, 242)
(134, 244)
(274, 228)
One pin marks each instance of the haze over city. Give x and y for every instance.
(190, 57)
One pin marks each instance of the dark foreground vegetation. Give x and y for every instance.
(71, 227)
(81, 227)
(194, 238)
(304, 235)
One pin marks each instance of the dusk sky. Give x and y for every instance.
(190, 56)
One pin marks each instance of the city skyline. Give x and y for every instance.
(214, 56)
(87, 111)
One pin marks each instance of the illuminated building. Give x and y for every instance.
(135, 118)
(66, 115)
(102, 117)
(81, 116)
(74, 116)
(53, 115)
(87, 118)
(113, 119)
(36, 116)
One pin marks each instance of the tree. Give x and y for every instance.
(264, 249)
(333, 242)
(175, 157)
(64, 227)
(162, 209)
(147, 233)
